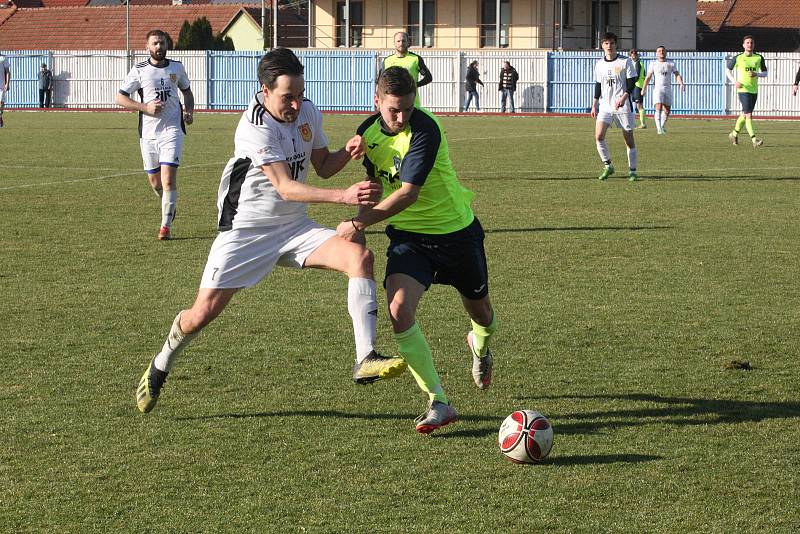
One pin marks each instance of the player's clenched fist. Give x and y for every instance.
(364, 193)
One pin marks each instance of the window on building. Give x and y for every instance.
(428, 22)
(356, 20)
(605, 18)
(566, 13)
(491, 27)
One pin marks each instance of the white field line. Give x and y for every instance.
(94, 179)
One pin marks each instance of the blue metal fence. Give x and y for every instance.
(343, 80)
(570, 82)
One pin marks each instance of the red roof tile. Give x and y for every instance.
(6, 13)
(712, 14)
(102, 28)
(64, 3)
(764, 14)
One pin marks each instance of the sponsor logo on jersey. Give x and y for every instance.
(305, 131)
(173, 77)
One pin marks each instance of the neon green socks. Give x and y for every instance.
(481, 336)
(749, 126)
(416, 352)
(739, 123)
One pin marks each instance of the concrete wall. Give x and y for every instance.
(671, 24)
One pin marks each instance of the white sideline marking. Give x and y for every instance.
(96, 178)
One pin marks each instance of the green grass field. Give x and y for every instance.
(619, 305)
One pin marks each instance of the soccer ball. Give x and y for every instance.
(525, 437)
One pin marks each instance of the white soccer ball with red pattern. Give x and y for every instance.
(525, 437)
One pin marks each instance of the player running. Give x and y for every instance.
(615, 78)
(162, 120)
(263, 222)
(744, 70)
(434, 236)
(662, 71)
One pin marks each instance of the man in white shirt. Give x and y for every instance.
(615, 78)
(662, 71)
(162, 120)
(263, 223)
(5, 83)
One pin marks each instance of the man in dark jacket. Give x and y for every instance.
(45, 86)
(471, 86)
(508, 84)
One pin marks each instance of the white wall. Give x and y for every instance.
(669, 23)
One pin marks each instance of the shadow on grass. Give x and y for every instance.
(590, 459)
(680, 411)
(340, 415)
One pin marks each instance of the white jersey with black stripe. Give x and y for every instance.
(613, 76)
(247, 198)
(163, 83)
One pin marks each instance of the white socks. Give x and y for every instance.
(632, 157)
(602, 149)
(362, 304)
(169, 202)
(173, 346)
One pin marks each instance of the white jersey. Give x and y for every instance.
(247, 198)
(662, 73)
(613, 78)
(162, 83)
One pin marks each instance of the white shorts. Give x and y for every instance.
(166, 150)
(241, 258)
(663, 96)
(625, 119)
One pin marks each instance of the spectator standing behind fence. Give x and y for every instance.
(410, 61)
(5, 83)
(508, 84)
(796, 81)
(471, 86)
(45, 86)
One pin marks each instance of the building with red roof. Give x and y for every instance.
(775, 24)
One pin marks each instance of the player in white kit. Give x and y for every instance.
(5, 83)
(615, 78)
(162, 120)
(662, 71)
(263, 223)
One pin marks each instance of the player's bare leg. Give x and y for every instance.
(356, 261)
(187, 324)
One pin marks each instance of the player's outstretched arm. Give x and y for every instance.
(391, 205)
(363, 193)
(327, 163)
(427, 77)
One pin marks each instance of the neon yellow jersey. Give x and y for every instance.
(743, 65)
(411, 62)
(641, 70)
(418, 155)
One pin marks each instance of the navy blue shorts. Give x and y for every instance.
(748, 101)
(457, 259)
(637, 95)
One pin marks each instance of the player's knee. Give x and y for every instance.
(401, 315)
(362, 261)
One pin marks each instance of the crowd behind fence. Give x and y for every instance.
(343, 80)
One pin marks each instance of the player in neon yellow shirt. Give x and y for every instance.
(638, 94)
(743, 71)
(434, 236)
(410, 61)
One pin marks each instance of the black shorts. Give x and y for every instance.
(457, 259)
(637, 95)
(748, 101)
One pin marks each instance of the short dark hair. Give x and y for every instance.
(661, 46)
(608, 36)
(156, 33)
(275, 63)
(396, 81)
(746, 37)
